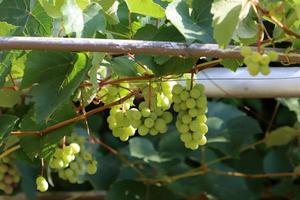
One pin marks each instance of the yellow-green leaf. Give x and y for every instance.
(281, 136)
(146, 7)
(6, 28)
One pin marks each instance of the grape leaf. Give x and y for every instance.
(7, 123)
(146, 7)
(129, 189)
(178, 13)
(226, 16)
(9, 98)
(28, 16)
(123, 66)
(6, 28)
(72, 17)
(281, 136)
(58, 75)
(232, 64)
(94, 21)
(52, 7)
(44, 146)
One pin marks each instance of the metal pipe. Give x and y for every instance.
(221, 82)
(131, 46)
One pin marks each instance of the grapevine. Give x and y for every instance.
(9, 176)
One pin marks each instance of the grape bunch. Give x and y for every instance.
(64, 156)
(112, 93)
(123, 122)
(257, 62)
(9, 176)
(191, 105)
(154, 120)
(82, 164)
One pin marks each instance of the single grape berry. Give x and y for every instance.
(42, 184)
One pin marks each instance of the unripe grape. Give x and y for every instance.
(246, 51)
(153, 131)
(87, 156)
(186, 119)
(68, 150)
(75, 148)
(203, 128)
(265, 70)
(202, 141)
(146, 112)
(190, 103)
(149, 123)
(167, 116)
(273, 55)
(195, 93)
(91, 169)
(143, 130)
(184, 95)
(177, 89)
(42, 184)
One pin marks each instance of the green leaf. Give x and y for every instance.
(28, 16)
(94, 21)
(281, 136)
(293, 104)
(226, 16)
(123, 66)
(129, 189)
(5, 66)
(52, 7)
(232, 64)
(107, 173)
(276, 161)
(58, 75)
(143, 149)
(178, 13)
(9, 98)
(146, 33)
(6, 29)
(7, 123)
(83, 4)
(72, 17)
(174, 65)
(201, 14)
(146, 7)
(44, 146)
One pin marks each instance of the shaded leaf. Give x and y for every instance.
(58, 75)
(281, 136)
(7, 123)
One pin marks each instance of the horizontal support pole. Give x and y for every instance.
(221, 82)
(131, 46)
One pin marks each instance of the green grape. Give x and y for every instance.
(146, 112)
(273, 55)
(186, 137)
(203, 128)
(265, 60)
(184, 95)
(265, 70)
(190, 103)
(253, 69)
(255, 57)
(91, 168)
(183, 106)
(246, 51)
(202, 141)
(195, 93)
(176, 107)
(149, 123)
(160, 125)
(42, 184)
(186, 119)
(153, 116)
(177, 89)
(193, 112)
(68, 150)
(143, 130)
(167, 116)
(153, 131)
(176, 99)
(75, 148)
(87, 156)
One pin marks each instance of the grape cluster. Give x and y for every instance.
(154, 120)
(158, 95)
(9, 176)
(112, 93)
(257, 62)
(82, 164)
(191, 105)
(123, 122)
(64, 156)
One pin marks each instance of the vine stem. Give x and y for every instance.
(75, 119)
(10, 150)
